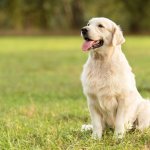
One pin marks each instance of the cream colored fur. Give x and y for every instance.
(109, 84)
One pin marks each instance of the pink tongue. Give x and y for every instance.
(87, 45)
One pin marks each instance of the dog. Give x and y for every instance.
(109, 83)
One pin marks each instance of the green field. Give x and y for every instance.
(42, 106)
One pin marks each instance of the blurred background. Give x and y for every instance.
(42, 105)
(68, 16)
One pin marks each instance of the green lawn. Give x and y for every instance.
(42, 106)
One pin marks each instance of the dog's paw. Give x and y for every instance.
(129, 126)
(96, 136)
(86, 127)
(118, 135)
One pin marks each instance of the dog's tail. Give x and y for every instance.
(143, 115)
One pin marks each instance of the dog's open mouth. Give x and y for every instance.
(91, 44)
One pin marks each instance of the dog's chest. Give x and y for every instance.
(97, 78)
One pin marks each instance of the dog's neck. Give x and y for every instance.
(103, 54)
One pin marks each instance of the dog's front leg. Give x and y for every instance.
(96, 119)
(120, 121)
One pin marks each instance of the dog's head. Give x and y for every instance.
(101, 32)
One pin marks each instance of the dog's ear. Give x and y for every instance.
(117, 38)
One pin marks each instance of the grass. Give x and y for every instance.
(41, 102)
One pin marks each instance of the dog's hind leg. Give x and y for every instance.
(143, 116)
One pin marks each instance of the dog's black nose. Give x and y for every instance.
(84, 30)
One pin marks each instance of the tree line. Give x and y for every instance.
(67, 15)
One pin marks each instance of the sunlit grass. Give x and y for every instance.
(39, 43)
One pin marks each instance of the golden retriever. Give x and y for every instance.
(108, 81)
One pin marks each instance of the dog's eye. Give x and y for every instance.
(100, 26)
(88, 24)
